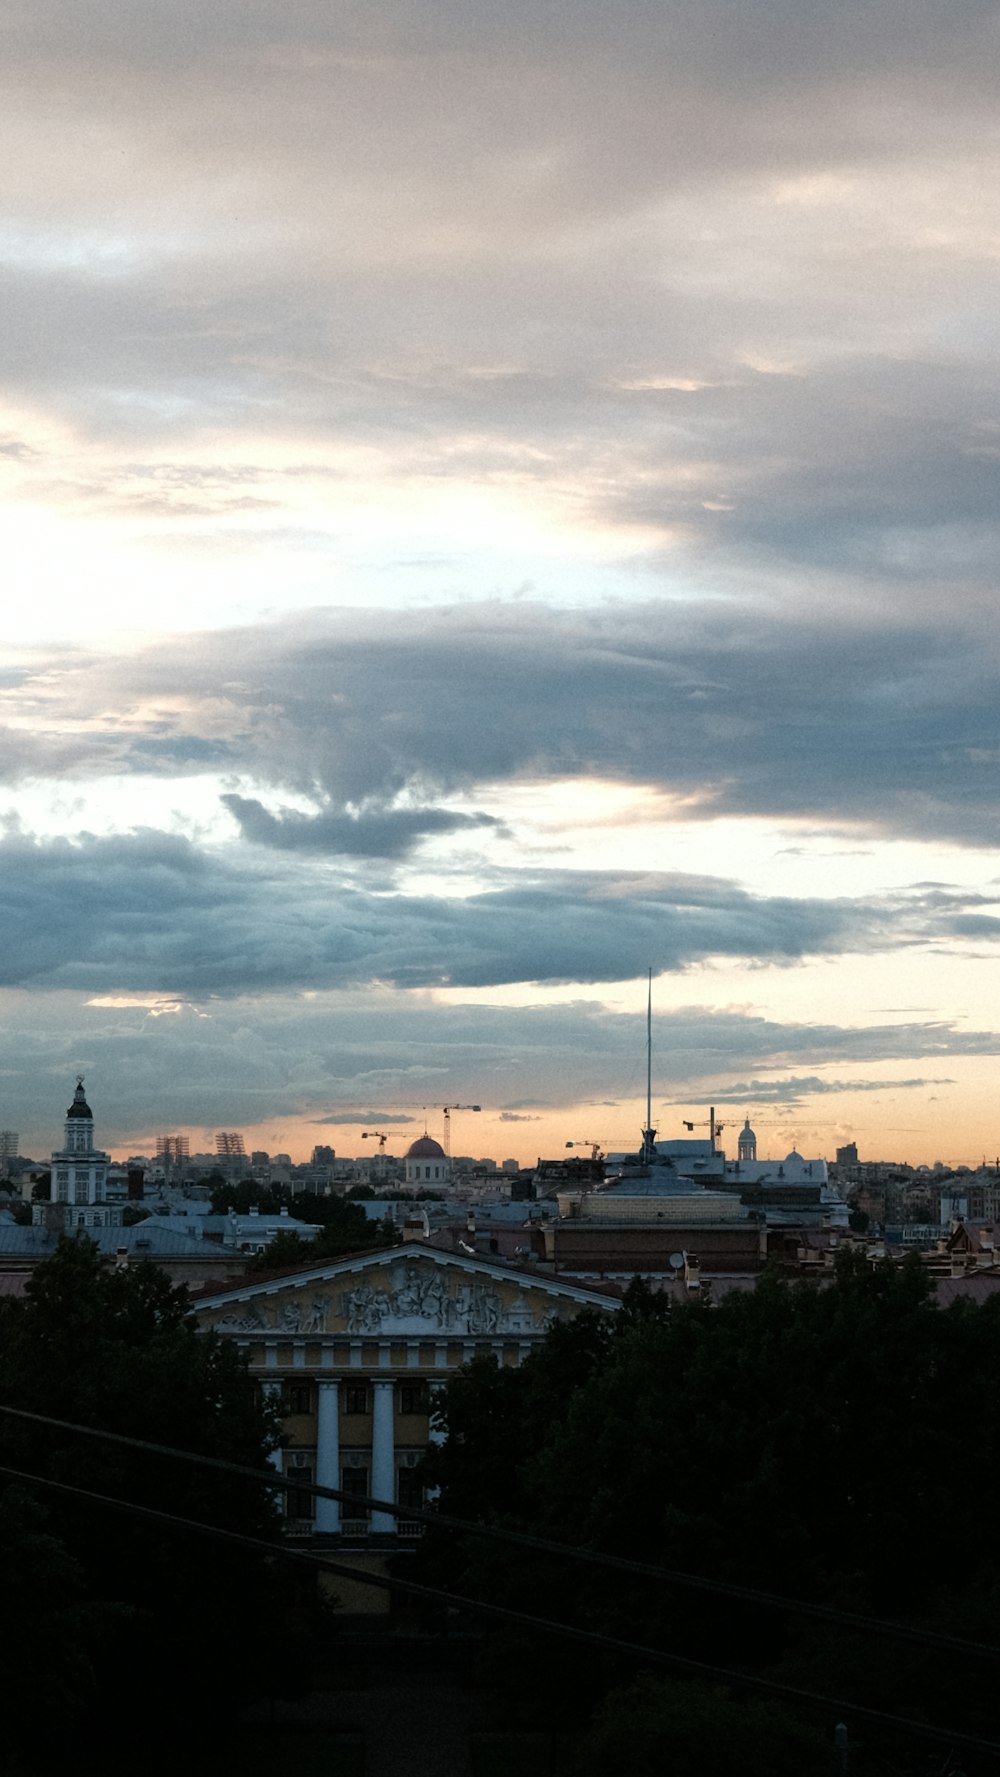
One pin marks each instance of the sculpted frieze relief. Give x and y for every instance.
(405, 1298)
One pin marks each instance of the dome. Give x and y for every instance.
(80, 1107)
(426, 1148)
(794, 1158)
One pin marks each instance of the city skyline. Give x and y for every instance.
(493, 504)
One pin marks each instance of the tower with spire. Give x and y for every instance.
(79, 1170)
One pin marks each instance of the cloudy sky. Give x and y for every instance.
(495, 500)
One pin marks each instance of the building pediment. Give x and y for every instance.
(401, 1294)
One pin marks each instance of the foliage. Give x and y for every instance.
(344, 1228)
(43, 1592)
(286, 1249)
(805, 1441)
(117, 1349)
(133, 1214)
(657, 1725)
(246, 1195)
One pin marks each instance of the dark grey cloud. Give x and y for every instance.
(542, 244)
(372, 1118)
(976, 925)
(153, 913)
(377, 832)
(888, 723)
(803, 1086)
(764, 43)
(291, 1058)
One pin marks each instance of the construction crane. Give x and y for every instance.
(446, 1110)
(378, 1135)
(594, 1146)
(712, 1126)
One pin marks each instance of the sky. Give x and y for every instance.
(494, 501)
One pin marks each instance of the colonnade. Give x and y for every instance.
(382, 1477)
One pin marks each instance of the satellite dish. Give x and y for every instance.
(677, 1261)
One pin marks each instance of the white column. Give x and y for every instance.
(328, 1457)
(383, 1455)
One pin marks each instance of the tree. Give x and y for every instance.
(653, 1725)
(285, 1250)
(791, 1440)
(343, 1228)
(117, 1349)
(246, 1195)
(42, 1588)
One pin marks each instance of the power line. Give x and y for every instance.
(524, 1539)
(521, 1619)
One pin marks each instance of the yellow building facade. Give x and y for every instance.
(354, 1351)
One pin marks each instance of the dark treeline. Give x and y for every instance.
(837, 1445)
(343, 1225)
(120, 1635)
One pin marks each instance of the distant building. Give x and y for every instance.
(426, 1164)
(8, 1151)
(79, 1175)
(747, 1144)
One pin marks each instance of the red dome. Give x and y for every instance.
(426, 1148)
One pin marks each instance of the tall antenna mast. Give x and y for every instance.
(649, 1133)
(649, 1051)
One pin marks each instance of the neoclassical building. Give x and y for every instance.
(79, 1172)
(354, 1350)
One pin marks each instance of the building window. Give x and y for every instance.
(299, 1504)
(354, 1481)
(409, 1489)
(355, 1397)
(413, 1397)
(297, 1397)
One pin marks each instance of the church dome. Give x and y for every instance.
(747, 1142)
(794, 1158)
(425, 1148)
